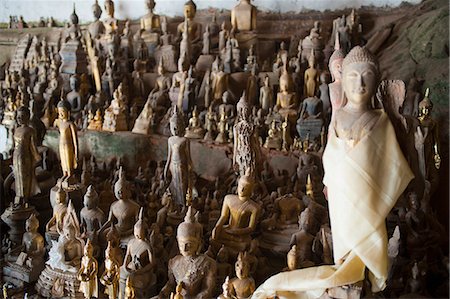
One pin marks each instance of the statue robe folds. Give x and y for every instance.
(364, 182)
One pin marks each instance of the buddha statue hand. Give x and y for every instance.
(216, 232)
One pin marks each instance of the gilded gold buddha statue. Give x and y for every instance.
(287, 104)
(238, 218)
(111, 275)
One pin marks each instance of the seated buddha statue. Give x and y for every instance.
(196, 272)
(243, 21)
(287, 99)
(278, 229)
(110, 23)
(159, 95)
(195, 129)
(96, 124)
(274, 138)
(26, 261)
(125, 211)
(115, 115)
(303, 239)
(59, 278)
(150, 24)
(243, 284)
(92, 217)
(145, 121)
(238, 217)
(138, 263)
(55, 224)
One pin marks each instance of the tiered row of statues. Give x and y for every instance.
(367, 151)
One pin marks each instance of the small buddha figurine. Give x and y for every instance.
(115, 114)
(219, 80)
(210, 124)
(110, 23)
(252, 60)
(96, 28)
(96, 124)
(336, 92)
(150, 24)
(286, 135)
(243, 16)
(266, 96)
(194, 28)
(227, 290)
(324, 95)
(74, 97)
(25, 158)
(223, 36)
(146, 119)
(236, 235)
(111, 275)
(139, 261)
(195, 271)
(274, 137)
(91, 216)
(222, 136)
(28, 258)
(159, 95)
(311, 77)
(286, 99)
(304, 239)
(124, 210)
(179, 162)
(206, 41)
(68, 143)
(195, 129)
(55, 224)
(311, 108)
(87, 275)
(113, 237)
(243, 284)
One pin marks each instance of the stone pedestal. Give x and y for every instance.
(54, 283)
(15, 218)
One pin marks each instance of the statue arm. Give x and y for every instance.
(169, 160)
(33, 148)
(170, 285)
(142, 24)
(209, 282)
(108, 222)
(75, 143)
(233, 20)
(254, 13)
(50, 223)
(224, 215)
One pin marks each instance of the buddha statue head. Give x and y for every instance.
(413, 201)
(96, 10)
(69, 230)
(23, 116)
(63, 109)
(305, 220)
(121, 186)
(360, 76)
(245, 186)
(88, 249)
(176, 123)
(74, 17)
(312, 59)
(108, 251)
(425, 106)
(189, 235)
(32, 223)
(242, 266)
(292, 258)
(109, 8)
(335, 64)
(140, 228)
(150, 5)
(190, 9)
(90, 199)
(243, 107)
(285, 81)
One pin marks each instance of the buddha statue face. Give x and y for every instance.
(74, 82)
(69, 232)
(32, 224)
(150, 5)
(139, 230)
(336, 69)
(413, 201)
(109, 7)
(23, 116)
(189, 10)
(188, 245)
(245, 188)
(88, 249)
(63, 113)
(242, 269)
(359, 81)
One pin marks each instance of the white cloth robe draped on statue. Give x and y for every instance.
(363, 183)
